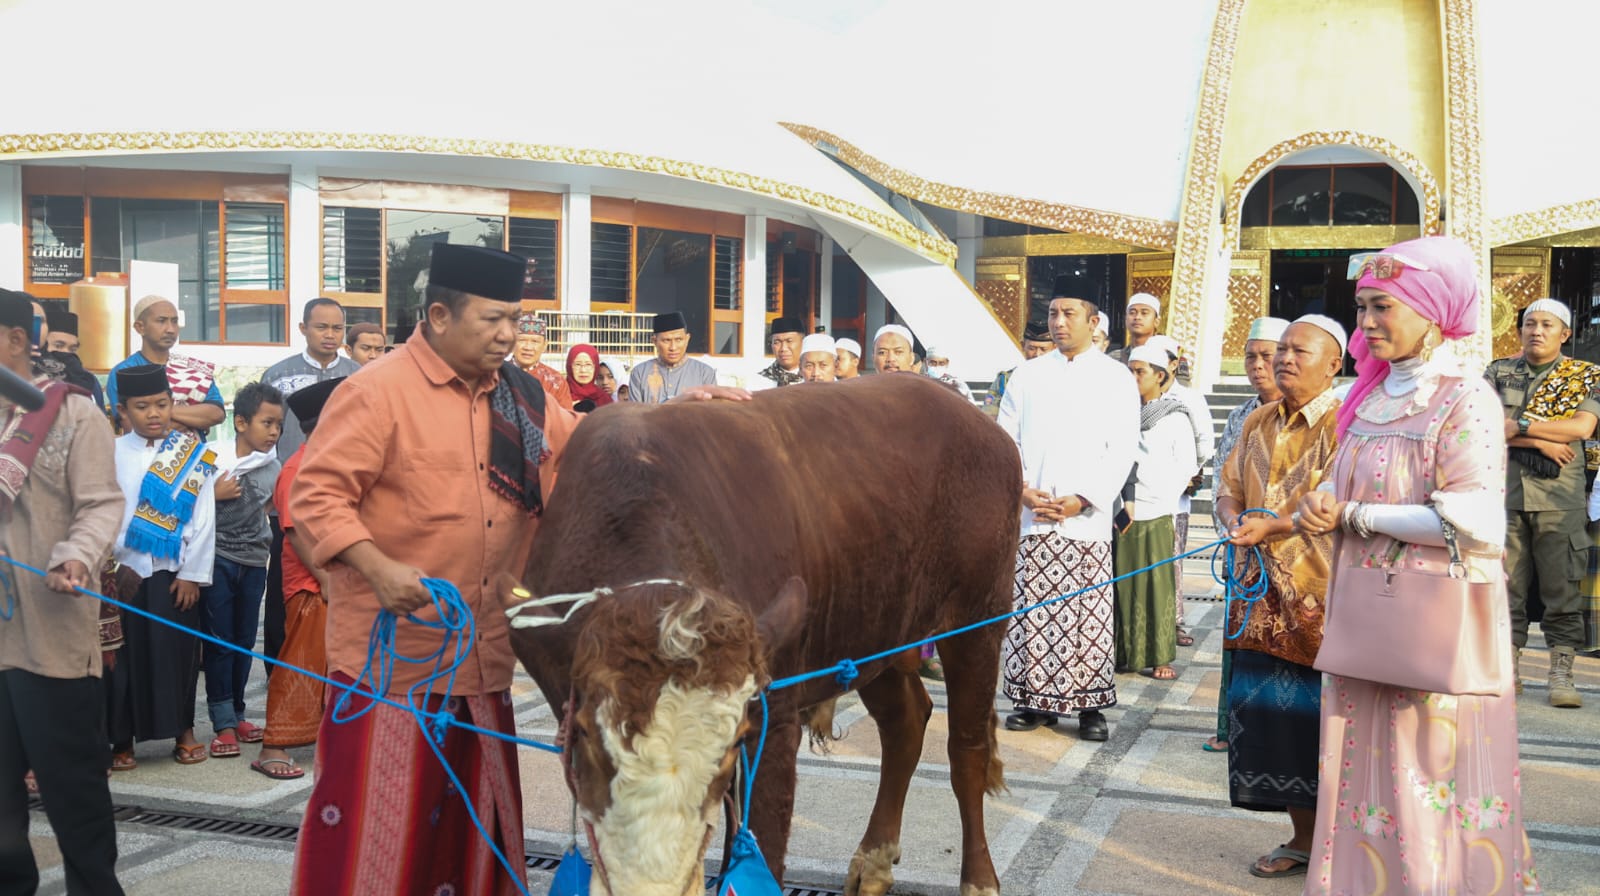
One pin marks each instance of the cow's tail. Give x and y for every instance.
(820, 730)
(996, 779)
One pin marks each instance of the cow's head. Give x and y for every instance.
(662, 680)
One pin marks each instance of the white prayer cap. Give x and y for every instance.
(1164, 343)
(897, 330)
(1150, 354)
(931, 351)
(146, 303)
(1269, 329)
(849, 345)
(1327, 325)
(817, 342)
(1551, 306)
(1146, 299)
(1100, 325)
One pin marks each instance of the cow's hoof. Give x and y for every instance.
(872, 871)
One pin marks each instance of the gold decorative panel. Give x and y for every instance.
(1545, 223)
(1002, 283)
(1464, 142)
(1519, 275)
(1152, 273)
(1249, 276)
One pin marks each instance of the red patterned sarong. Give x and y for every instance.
(384, 818)
(295, 702)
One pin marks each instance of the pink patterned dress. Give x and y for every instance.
(1420, 793)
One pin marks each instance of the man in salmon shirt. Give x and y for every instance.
(433, 461)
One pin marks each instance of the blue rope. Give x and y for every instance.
(1233, 589)
(751, 768)
(8, 584)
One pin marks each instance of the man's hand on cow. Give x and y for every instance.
(708, 393)
(1318, 513)
(69, 575)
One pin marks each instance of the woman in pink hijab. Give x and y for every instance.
(1419, 792)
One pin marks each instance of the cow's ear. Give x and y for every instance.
(781, 620)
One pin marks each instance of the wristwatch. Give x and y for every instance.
(1522, 426)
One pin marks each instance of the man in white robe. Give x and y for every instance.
(1074, 414)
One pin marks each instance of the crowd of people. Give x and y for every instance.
(326, 500)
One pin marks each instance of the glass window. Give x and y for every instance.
(674, 274)
(358, 314)
(537, 240)
(726, 338)
(1363, 195)
(610, 260)
(256, 323)
(1256, 212)
(55, 238)
(411, 237)
(847, 286)
(352, 250)
(255, 246)
(177, 231)
(1406, 209)
(1300, 196)
(730, 275)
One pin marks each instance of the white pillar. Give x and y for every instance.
(877, 314)
(305, 245)
(754, 301)
(576, 234)
(969, 238)
(13, 254)
(825, 288)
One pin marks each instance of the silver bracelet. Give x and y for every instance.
(1363, 521)
(1347, 518)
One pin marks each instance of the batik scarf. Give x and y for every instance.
(24, 436)
(1563, 389)
(516, 438)
(1153, 412)
(168, 494)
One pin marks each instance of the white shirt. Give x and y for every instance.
(134, 456)
(1205, 441)
(1076, 423)
(1166, 462)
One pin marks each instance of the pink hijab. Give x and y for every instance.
(1446, 293)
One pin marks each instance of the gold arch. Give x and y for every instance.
(1410, 163)
(1545, 222)
(59, 144)
(1150, 233)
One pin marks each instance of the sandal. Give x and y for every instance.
(1185, 639)
(224, 746)
(123, 762)
(33, 785)
(932, 669)
(1215, 744)
(1299, 861)
(289, 772)
(1161, 673)
(249, 732)
(191, 754)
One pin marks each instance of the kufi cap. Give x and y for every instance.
(1036, 331)
(1101, 325)
(1150, 354)
(848, 344)
(1327, 325)
(667, 321)
(306, 403)
(897, 330)
(1269, 329)
(1145, 299)
(787, 325)
(62, 322)
(1164, 343)
(817, 342)
(145, 304)
(365, 328)
(16, 309)
(1549, 306)
(141, 380)
(477, 270)
(530, 324)
(1076, 286)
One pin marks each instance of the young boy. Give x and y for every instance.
(294, 702)
(230, 607)
(166, 541)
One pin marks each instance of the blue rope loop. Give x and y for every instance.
(1233, 588)
(847, 674)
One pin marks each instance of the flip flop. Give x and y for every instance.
(1215, 745)
(1155, 672)
(289, 773)
(1185, 639)
(1301, 859)
(192, 754)
(249, 732)
(224, 746)
(33, 785)
(123, 762)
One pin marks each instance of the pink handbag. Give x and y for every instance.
(1418, 629)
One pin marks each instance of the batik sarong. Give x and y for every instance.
(1144, 601)
(1058, 659)
(294, 702)
(1589, 602)
(384, 818)
(1274, 720)
(1180, 543)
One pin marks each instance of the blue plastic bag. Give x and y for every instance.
(572, 875)
(747, 870)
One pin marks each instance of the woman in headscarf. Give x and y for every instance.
(583, 362)
(1420, 792)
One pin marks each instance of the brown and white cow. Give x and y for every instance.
(775, 536)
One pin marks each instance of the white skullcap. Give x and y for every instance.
(1146, 299)
(1327, 325)
(1164, 343)
(817, 342)
(144, 304)
(1268, 328)
(929, 351)
(849, 345)
(1100, 325)
(897, 330)
(1551, 306)
(1150, 354)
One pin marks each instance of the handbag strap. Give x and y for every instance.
(1456, 563)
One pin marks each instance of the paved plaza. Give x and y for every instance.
(1144, 813)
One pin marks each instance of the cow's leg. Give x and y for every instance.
(971, 668)
(900, 706)
(772, 804)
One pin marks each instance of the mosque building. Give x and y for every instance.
(847, 162)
